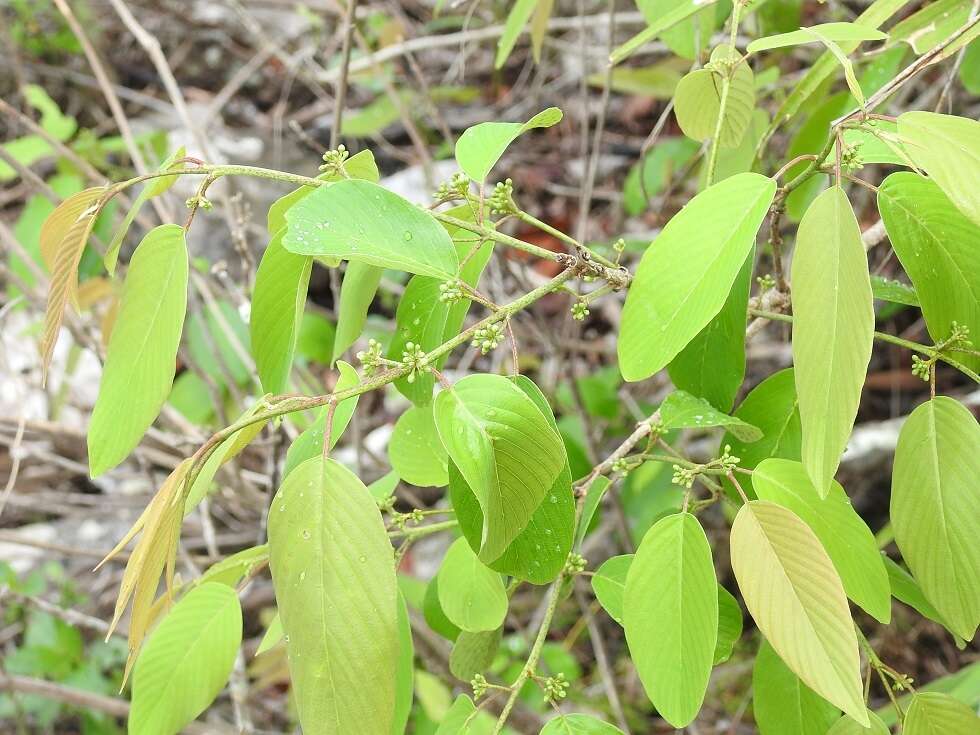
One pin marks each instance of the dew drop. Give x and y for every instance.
(547, 532)
(553, 499)
(302, 576)
(306, 535)
(407, 235)
(362, 558)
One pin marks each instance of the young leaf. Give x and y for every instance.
(356, 294)
(793, 593)
(578, 725)
(360, 221)
(686, 274)
(833, 330)
(186, 661)
(681, 410)
(141, 360)
(309, 444)
(782, 704)
(63, 237)
(481, 146)
(934, 713)
(332, 568)
(830, 31)
(471, 595)
(697, 101)
(934, 508)
(771, 406)
(936, 244)
(712, 365)
(505, 449)
(517, 18)
(846, 726)
(609, 584)
(415, 451)
(277, 310)
(845, 536)
(947, 148)
(670, 614)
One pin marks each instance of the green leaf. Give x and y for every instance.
(936, 245)
(539, 552)
(657, 81)
(578, 725)
(309, 444)
(844, 535)
(833, 330)
(415, 451)
(712, 365)
(648, 177)
(218, 341)
(356, 294)
(906, 589)
(771, 406)
(681, 410)
(842, 59)
(846, 726)
(686, 274)
(334, 577)
(947, 148)
(517, 18)
(663, 21)
(471, 594)
(505, 449)
(29, 149)
(590, 505)
(481, 146)
(273, 636)
(359, 166)
(670, 614)
(932, 713)
(456, 719)
(729, 625)
(423, 318)
(277, 310)
(933, 508)
(141, 359)
(404, 670)
(473, 653)
(609, 584)
(793, 593)
(186, 660)
(784, 705)
(873, 16)
(315, 339)
(360, 221)
(683, 34)
(697, 102)
(931, 24)
(893, 291)
(435, 618)
(831, 31)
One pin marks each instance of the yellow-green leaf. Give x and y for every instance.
(833, 330)
(784, 705)
(831, 31)
(481, 146)
(335, 584)
(141, 360)
(845, 536)
(795, 596)
(697, 102)
(415, 451)
(933, 713)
